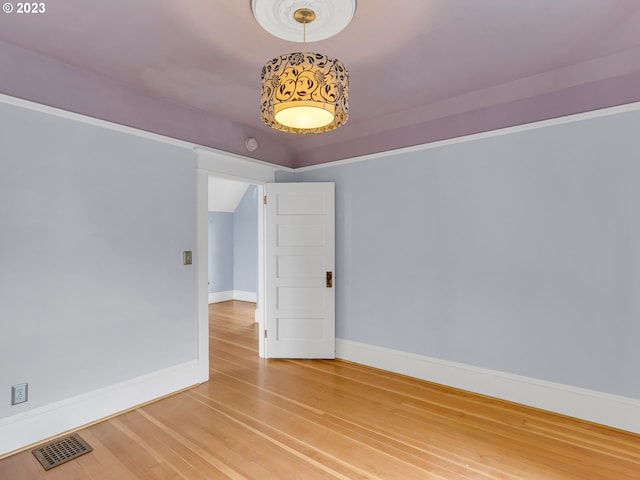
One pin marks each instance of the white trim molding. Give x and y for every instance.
(235, 167)
(232, 295)
(36, 425)
(244, 296)
(576, 117)
(202, 269)
(218, 297)
(606, 409)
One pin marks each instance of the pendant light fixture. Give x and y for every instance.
(304, 92)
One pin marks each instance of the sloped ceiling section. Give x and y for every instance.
(420, 70)
(225, 195)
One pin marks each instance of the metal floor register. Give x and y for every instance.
(61, 451)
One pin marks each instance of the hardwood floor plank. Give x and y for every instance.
(241, 445)
(372, 427)
(331, 419)
(311, 439)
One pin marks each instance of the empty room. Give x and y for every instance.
(442, 277)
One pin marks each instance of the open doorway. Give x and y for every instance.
(228, 273)
(232, 167)
(263, 177)
(233, 245)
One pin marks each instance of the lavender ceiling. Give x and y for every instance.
(420, 70)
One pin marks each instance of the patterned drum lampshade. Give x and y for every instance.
(304, 93)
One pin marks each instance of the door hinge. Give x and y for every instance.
(265, 333)
(265, 199)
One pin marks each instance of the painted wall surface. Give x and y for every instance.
(220, 251)
(93, 223)
(518, 253)
(245, 242)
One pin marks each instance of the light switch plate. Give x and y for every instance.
(187, 257)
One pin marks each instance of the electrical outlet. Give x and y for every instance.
(19, 393)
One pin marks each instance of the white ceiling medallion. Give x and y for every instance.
(276, 17)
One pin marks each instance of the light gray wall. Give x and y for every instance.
(245, 242)
(220, 252)
(93, 224)
(519, 253)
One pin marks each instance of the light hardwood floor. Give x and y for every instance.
(302, 419)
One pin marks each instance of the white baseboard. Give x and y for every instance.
(220, 296)
(244, 296)
(606, 409)
(232, 295)
(33, 426)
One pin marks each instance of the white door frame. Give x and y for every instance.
(234, 167)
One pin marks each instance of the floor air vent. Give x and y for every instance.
(61, 451)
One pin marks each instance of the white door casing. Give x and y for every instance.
(299, 270)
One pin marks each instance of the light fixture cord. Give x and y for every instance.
(304, 35)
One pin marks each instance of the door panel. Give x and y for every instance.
(299, 251)
(301, 235)
(299, 266)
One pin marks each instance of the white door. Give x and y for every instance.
(299, 266)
